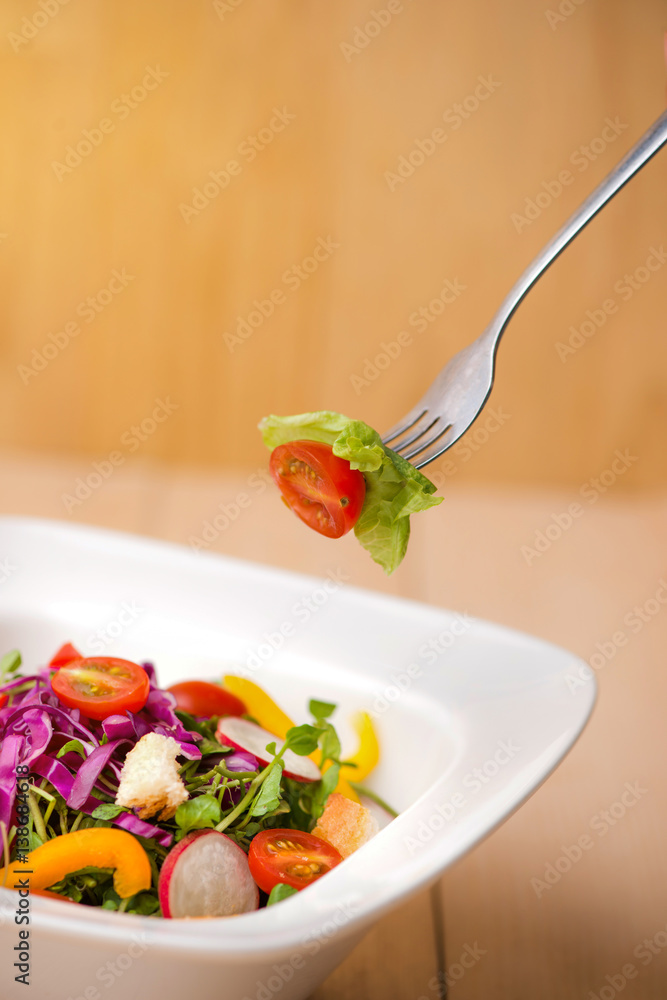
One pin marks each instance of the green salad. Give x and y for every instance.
(200, 800)
(337, 475)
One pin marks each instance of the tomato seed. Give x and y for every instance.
(301, 871)
(284, 845)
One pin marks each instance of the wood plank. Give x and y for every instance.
(128, 500)
(357, 112)
(589, 592)
(397, 959)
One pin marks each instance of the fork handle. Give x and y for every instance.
(634, 160)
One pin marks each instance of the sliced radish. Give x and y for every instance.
(206, 875)
(245, 735)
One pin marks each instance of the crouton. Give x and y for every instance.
(149, 779)
(345, 824)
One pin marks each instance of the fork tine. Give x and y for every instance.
(406, 423)
(419, 433)
(440, 429)
(438, 449)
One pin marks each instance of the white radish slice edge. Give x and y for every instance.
(245, 735)
(206, 875)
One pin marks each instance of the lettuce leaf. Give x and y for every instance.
(394, 488)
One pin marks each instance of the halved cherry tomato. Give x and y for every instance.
(65, 654)
(289, 856)
(322, 489)
(205, 699)
(4, 698)
(102, 686)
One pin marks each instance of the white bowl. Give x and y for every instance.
(471, 716)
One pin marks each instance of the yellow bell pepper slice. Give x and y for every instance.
(98, 846)
(269, 716)
(366, 757)
(262, 707)
(259, 704)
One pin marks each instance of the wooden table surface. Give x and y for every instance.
(599, 928)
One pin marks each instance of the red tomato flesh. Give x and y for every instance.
(322, 489)
(289, 856)
(65, 654)
(204, 699)
(102, 686)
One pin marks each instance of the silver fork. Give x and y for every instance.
(458, 394)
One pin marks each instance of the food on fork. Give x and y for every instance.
(335, 474)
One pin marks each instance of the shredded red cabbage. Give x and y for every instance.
(240, 760)
(35, 725)
(90, 770)
(10, 752)
(63, 782)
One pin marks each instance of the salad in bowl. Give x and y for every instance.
(201, 800)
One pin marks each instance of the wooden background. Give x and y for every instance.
(565, 943)
(356, 112)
